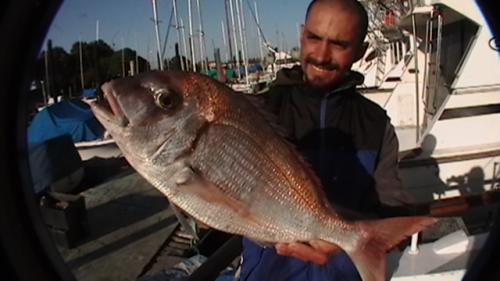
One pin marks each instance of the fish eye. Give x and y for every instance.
(167, 99)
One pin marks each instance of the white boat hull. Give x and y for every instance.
(100, 148)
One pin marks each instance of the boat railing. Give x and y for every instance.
(432, 60)
(495, 184)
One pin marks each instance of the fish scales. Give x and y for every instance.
(277, 149)
(216, 157)
(244, 168)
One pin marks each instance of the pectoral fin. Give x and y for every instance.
(190, 181)
(212, 205)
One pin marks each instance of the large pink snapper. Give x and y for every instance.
(214, 155)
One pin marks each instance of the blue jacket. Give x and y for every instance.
(352, 147)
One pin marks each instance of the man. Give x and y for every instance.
(348, 140)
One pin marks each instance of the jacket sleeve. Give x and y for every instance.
(388, 184)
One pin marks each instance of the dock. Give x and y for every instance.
(129, 224)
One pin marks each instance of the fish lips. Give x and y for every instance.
(108, 108)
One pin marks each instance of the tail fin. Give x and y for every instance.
(377, 238)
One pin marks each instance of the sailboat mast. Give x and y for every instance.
(82, 81)
(258, 31)
(228, 26)
(184, 40)
(136, 71)
(97, 30)
(177, 27)
(202, 37)
(123, 57)
(157, 31)
(224, 40)
(237, 60)
(191, 43)
(242, 41)
(48, 83)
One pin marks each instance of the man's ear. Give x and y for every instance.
(362, 51)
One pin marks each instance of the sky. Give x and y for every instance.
(130, 23)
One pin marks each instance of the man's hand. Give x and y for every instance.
(316, 251)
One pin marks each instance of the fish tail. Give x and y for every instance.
(377, 237)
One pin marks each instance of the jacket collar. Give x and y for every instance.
(294, 76)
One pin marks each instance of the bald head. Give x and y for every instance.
(352, 6)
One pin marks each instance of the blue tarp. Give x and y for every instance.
(89, 93)
(72, 117)
(252, 68)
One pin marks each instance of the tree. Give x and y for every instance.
(116, 63)
(94, 56)
(99, 62)
(61, 71)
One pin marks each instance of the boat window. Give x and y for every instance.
(450, 37)
(457, 39)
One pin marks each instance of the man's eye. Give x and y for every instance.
(313, 37)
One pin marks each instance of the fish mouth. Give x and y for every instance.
(108, 108)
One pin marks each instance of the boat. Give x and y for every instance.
(105, 148)
(442, 94)
(61, 137)
(73, 117)
(257, 83)
(279, 60)
(433, 66)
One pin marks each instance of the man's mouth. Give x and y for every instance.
(321, 69)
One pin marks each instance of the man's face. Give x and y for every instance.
(331, 43)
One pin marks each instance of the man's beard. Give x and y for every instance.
(326, 66)
(320, 83)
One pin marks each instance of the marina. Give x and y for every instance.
(432, 65)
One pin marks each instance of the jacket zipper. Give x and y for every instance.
(324, 102)
(322, 117)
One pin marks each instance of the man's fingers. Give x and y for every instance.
(282, 249)
(325, 247)
(302, 252)
(305, 252)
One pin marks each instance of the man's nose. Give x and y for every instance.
(323, 52)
